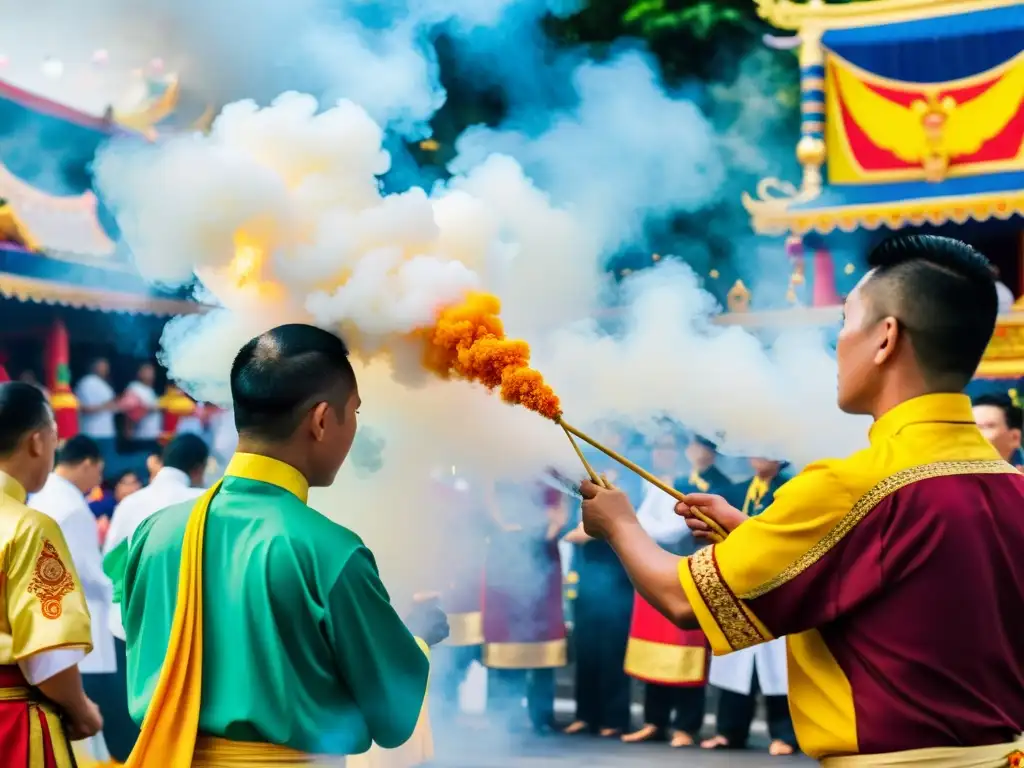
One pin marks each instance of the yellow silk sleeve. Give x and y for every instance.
(760, 555)
(45, 602)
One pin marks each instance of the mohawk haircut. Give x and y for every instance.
(942, 293)
(278, 376)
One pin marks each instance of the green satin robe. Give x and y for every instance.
(301, 646)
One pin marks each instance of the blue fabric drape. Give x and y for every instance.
(933, 50)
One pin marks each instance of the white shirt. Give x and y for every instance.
(657, 515)
(92, 391)
(151, 425)
(1005, 297)
(168, 487)
(67, 506)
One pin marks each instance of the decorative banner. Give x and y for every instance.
(882, 130)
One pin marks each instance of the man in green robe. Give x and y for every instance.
(258, 630)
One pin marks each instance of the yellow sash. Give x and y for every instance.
(169, 730)
(994, 756)
(212, 752)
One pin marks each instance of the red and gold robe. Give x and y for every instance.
(660, 652)
(523, 622)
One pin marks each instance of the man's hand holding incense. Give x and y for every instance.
(605, 510)
(712, 506)
(608, 515)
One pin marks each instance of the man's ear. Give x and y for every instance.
(890, 335)
(318, 420)
(35, 444)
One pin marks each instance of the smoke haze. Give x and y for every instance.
(533, 211)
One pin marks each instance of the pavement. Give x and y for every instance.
(482, 748)
(473, 744)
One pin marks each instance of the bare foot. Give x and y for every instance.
(577, 726)
(715, 742)
(646, 733)
(607, 733)
(779, 748)
(681, 739)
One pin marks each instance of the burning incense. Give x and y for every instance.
(717, 531)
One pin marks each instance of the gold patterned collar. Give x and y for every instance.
(263, 469)
(947, 408)
(11, 487)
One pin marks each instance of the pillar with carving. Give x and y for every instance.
(58, 379)
(810, 151)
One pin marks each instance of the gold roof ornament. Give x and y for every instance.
(738, 298)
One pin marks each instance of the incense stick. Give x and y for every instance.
(716, 529)
(594, 477)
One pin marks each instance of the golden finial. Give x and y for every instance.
(849, 269)
(738, 299)
(655, 257)
(429, 145)
(714, 274)
(934, 114)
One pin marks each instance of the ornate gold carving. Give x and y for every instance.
(934, 114)
(1006, 343)
(727, 611)
(738, 298)
(868, 502)
(51, 581)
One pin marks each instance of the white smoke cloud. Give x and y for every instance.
(380, 55)
(532, 214)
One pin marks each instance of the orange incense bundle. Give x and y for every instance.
(468, 341)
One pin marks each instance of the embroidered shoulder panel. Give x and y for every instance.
(732, 618)
(868, 502)
(51, 581)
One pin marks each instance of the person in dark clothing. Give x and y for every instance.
(602, 610)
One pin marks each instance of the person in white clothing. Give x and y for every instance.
(79, 469)
(145, 411)
(178, 478)
(97, 404)
(749, 672)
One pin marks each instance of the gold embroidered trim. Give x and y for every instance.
(51, 581)
(868, 502)
(737, 627)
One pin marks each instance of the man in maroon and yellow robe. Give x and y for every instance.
(523, 621)
(895, 574)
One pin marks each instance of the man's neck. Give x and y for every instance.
(767, 476)
(281, 452)
(66, 473)
(12, 468)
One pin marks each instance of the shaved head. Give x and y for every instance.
(942, 293)
(280, 375)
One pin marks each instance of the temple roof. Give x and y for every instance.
(871, 206)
